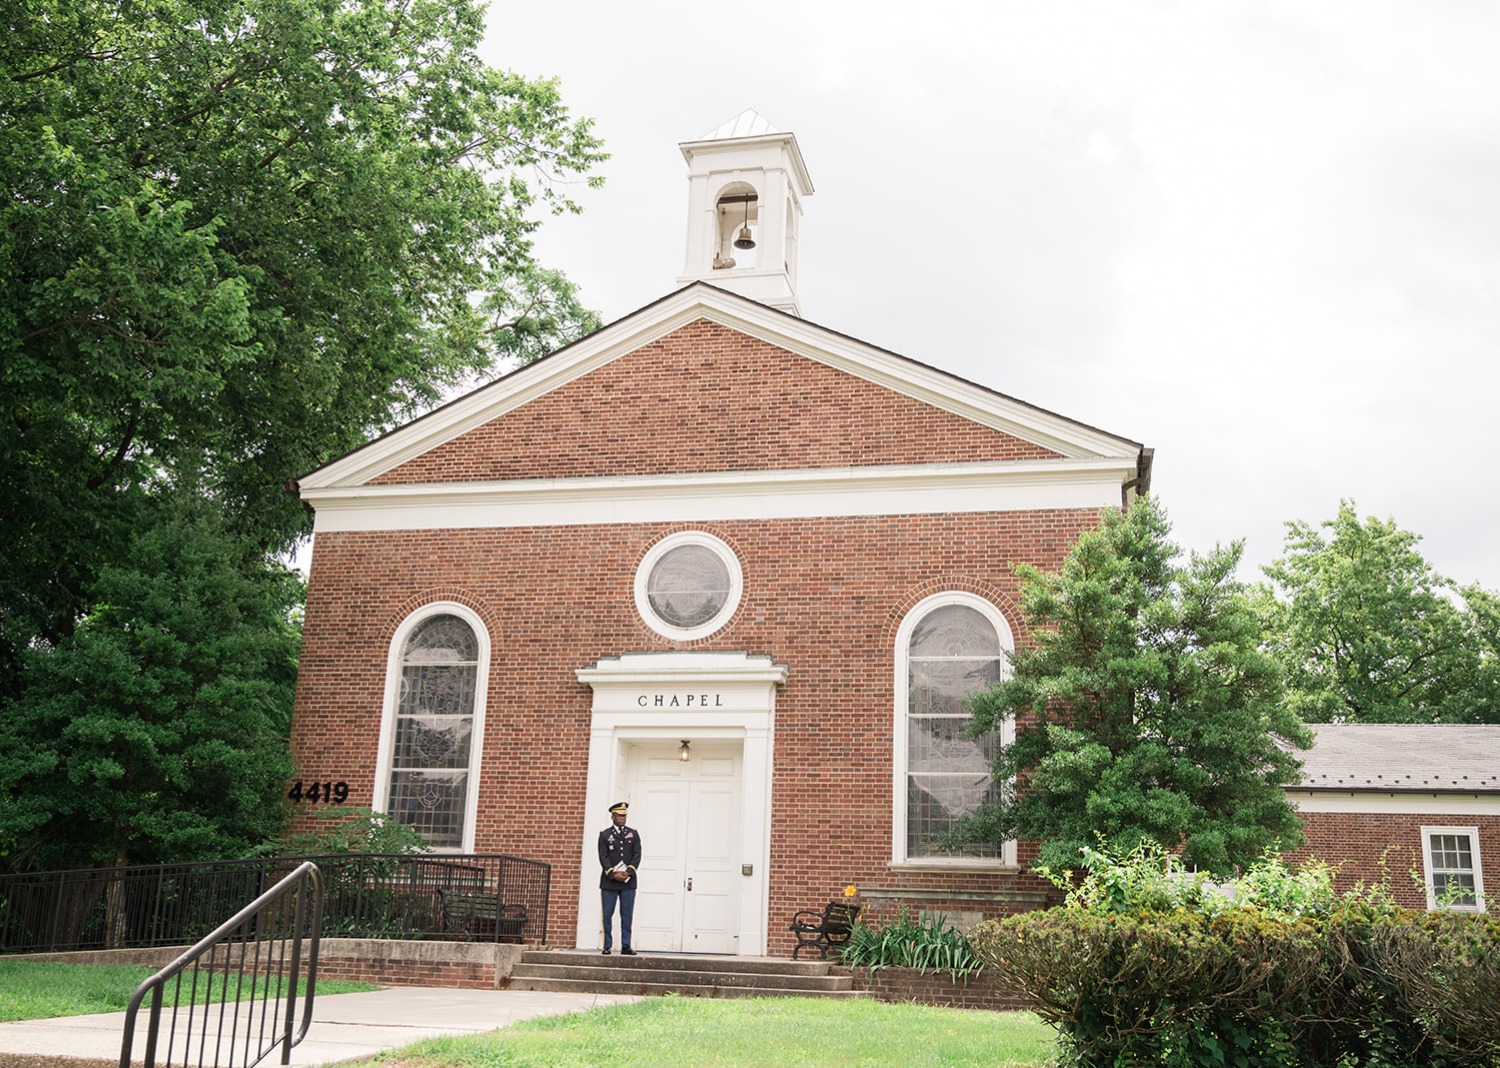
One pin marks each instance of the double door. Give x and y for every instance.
(688, 814)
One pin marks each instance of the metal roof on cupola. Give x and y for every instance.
(746, 181)
(748, 123)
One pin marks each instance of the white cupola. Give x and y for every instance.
(746, 181)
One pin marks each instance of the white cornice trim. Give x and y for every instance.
(703, 301)
(634, 669)
(1395, 804)
(724, 495)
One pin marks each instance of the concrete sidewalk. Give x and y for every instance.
(344, 1026)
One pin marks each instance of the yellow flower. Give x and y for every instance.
(850, 891)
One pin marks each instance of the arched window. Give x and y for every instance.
(949, 647)
(427, 776)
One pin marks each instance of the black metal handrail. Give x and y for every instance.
(480, 896)
(263, 958)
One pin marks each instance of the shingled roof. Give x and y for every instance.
(1403, 757)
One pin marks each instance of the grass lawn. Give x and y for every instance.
(30, 990)
(674, 1032)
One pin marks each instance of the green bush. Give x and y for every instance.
(1146, 964)
(1159, 988)
(347, 830)
(1446, 966)
(1148, 879)
(906, 943)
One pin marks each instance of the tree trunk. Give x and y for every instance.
(115, 927)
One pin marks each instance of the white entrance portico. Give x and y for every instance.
(693, 817)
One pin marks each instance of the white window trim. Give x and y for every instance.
(392, 698)
(656, 552)
(1473, 834)
(1007, 858)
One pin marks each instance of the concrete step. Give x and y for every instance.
(679, 973)
(683, 975)
(644, 986)
(718, 963)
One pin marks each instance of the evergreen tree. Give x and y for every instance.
(1145, 708)
(157, 731)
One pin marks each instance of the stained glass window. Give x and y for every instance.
(433, 745)
(688, 586)
(954, 651)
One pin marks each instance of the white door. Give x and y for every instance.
(689, 818)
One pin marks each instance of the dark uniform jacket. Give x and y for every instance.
(618, 844)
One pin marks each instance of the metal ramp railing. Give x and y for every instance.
(261, 946)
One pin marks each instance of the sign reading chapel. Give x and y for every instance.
(675, 700)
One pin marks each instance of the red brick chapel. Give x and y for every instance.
(730, 566)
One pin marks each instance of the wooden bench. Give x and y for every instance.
(480, 916)
(819, 930)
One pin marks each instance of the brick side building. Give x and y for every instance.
(716, 560)
(1415, 807)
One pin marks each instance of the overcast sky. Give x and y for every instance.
(1261, 238)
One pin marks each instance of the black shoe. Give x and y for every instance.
(627, 952)
(606, 951)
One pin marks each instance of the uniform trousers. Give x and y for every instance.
(626, 898)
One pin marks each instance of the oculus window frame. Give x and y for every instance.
(701, 618)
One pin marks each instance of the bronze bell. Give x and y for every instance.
(744, 240)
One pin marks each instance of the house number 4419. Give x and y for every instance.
(334, 793)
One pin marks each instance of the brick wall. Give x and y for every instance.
(987, 990)
(466, 965)
(824, 596)
(1381, 848)
(705, 398)
(388, 962)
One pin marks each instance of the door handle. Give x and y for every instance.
(690, 882)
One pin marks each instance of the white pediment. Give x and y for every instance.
(1072, 440)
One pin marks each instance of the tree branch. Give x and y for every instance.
(119, 457)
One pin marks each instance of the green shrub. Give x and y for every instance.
(347, 830)
(906, 943)
(1446, 966)
(1147, 964)
(1149, 879)
(1155, 988)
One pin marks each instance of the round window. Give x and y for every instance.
(688, 586)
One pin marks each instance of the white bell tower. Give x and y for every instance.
(746, 181)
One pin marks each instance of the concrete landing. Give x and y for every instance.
(345, 1026)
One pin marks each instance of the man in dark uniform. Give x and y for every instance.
(619, 856)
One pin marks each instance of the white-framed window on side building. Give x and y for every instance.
(1450, 862)
(949, 646)
(427, 775)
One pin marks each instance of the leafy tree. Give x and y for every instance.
(237, 238)
(1145, 708)
(157, 730)
(1368, 632)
